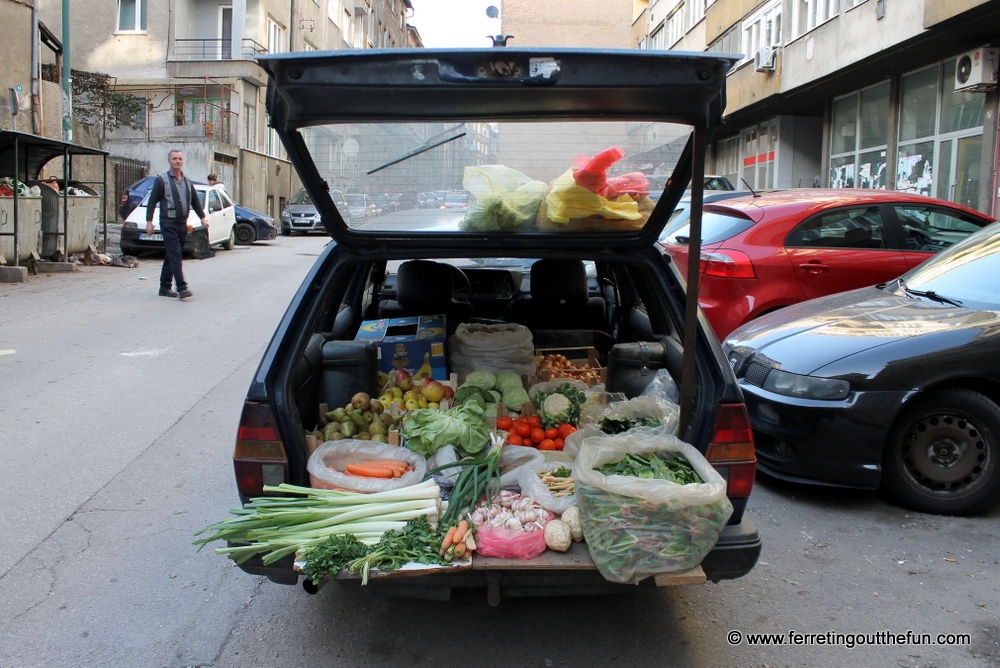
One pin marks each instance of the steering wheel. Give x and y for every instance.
(463, 291)
(915, 232)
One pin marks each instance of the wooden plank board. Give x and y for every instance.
(691, 576)
(576, 558)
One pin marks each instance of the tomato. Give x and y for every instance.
(537, 435)
(504, 423)
(514, 439)
(534, 421)
(560, 444)
(547, 444)
(552, 433)
(523, 430)
(566, 429)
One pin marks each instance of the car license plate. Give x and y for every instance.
(150, 237)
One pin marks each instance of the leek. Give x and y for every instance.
(276, 526)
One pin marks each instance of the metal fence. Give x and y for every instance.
(215, 49)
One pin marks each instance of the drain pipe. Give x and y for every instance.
(67, 77)
(36, 122)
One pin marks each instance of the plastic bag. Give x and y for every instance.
(638, 407)
(497, 348)
(636, 527)
(507, 544)
(567, 201)
(505, 198)
(339, 454)
(531, 485)
(512, 459)
(444, 455)
(664, 386)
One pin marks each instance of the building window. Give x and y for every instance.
(727, 158)
(250, 127)
(729, 42)
(759, 144)
(807, 14)
(859, 134)
(674, 26)
(131, 15)
(695, 12)
(276, 42)
(762, 29)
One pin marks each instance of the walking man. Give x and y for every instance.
(176, 196)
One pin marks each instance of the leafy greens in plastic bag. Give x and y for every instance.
(463, 426)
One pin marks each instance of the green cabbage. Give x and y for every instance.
(481, 378)
(463, 426)
(514, 398)
(508, 380)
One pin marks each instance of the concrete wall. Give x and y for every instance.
(722, 14)
(580, 23)
(799, 152)
(15, 54)
(936, 11)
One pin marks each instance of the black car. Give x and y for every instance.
(251, 225)
(895, 385)
(586, 280)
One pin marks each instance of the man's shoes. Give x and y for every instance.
(184, 294)
(167, 292)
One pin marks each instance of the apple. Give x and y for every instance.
(449, 391)
(422, 402)
(403, 380)
(385, 400)
(433, 391)
(425, 381)
(412, 404)
(433, 404)
(411, 394)
(396, 392)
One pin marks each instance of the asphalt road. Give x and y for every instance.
(118, 412)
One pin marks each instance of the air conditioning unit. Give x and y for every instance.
(976, 70)
(763, 59)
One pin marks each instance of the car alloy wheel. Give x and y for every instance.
(943, 451)
(200, 245)
(245, 234)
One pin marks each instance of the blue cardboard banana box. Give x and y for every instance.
(414, 343)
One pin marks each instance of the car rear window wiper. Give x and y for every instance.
(929, 294)
(433, 142)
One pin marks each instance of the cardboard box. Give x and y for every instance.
(414, 343)
(579, 357)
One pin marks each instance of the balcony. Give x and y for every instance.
(215, 58)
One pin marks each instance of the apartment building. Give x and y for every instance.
(193, 63)
(893, 94)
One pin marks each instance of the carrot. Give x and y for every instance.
(459, 550)
(463, 529)
(369, 471)
(448, 540)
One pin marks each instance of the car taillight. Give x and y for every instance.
(731, 450)
(727, 264)
(124, 198)
(259, 457)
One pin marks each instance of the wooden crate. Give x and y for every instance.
(582, 356)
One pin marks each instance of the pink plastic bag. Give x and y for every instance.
(507, 544)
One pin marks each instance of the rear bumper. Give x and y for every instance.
(734, 555)
(131, 243)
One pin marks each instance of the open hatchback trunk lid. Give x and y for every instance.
(519, 146)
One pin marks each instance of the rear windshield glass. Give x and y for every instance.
(510, 176)
(715, 227)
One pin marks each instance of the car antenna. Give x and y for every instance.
(748, 187)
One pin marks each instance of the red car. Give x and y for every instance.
(762, 252)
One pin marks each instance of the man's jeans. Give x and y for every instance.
(174, 233)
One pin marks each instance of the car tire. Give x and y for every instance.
(200, 245)
(231, 241)
(245, 234)
(943, 453)
(285, 232)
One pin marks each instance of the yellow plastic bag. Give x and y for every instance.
(505, 198)
(570, 208)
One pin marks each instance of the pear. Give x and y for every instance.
(361, 401)
(376, 406)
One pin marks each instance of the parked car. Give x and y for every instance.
(427, 200)
(253, 226)
(458, 199)
(711, 182)
(219, 210)
(361, 207)
(770, 250)
(893, 385)
(632, 306)
(301, 215)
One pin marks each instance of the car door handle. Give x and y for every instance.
(814, 266)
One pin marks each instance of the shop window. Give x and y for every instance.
(842, 172)
(845, 124)
(918, 104)
(860, 121)
(960, 110)
(874, 116)
(915, 170)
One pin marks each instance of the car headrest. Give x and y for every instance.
(559, 280)
(423, 282)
